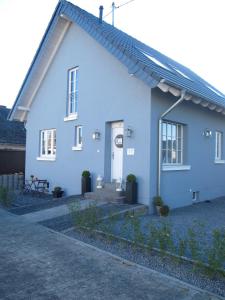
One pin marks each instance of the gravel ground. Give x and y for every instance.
(211, 214)
(203, 218)
(181, 270)
(65, 222)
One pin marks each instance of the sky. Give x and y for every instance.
(189, 31)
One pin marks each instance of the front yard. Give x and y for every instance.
(180, 245)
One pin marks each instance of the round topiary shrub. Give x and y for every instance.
(131, 178)
(86, 173)
(164, 210)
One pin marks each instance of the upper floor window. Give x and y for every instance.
(73, 91)
(48, 143)
(218, 150)
(172, 143)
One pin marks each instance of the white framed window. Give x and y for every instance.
(48, 143)
(218, 145)
(78, 138)
(73, 91)
(172, 143)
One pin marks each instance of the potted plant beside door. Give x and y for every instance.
(158, 203)
(86, 182)
(131, 189)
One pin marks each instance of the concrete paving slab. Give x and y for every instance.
(58, 211)
(37, 263)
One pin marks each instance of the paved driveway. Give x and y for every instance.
(36, 263)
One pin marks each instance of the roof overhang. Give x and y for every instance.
(46, 52)
(176, 91)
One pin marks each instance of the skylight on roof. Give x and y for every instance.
(181, 73)
(215, 91)
(156, 61)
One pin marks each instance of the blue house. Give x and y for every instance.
(96, 98)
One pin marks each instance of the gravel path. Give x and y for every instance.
(29, 204)
(166, 265)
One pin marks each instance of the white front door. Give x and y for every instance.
(117, 151)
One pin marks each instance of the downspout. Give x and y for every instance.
(159, 139)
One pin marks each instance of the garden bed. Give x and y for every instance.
(193, 252)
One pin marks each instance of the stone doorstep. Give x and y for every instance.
(107, 193)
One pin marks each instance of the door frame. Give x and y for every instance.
(113, 125)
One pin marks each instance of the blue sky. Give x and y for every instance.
(189, 31)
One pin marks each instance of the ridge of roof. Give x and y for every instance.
(144, 62)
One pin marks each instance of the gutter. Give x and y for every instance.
(183, 92)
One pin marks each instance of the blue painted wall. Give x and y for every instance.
(106, 93)
(205, 176)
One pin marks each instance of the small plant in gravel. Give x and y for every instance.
(108, 225)
(88, 217)
(138, 236)
(216, 254)
(152, 236)
(181, 247)
(195, 238)
(165, 238)
(125, 227)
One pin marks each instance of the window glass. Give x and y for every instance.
(78, 136)
(73, 91)
(172, 140)
(48, 142)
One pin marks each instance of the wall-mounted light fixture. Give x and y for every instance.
(129, 132)
(96, 135)
(207, 133)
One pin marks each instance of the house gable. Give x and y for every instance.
(145, 63)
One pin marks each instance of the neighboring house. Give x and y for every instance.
(12, 144)
(93, 98)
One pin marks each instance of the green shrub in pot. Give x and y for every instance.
(131, 189)
(85, 182)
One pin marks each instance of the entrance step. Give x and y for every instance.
(107, 193)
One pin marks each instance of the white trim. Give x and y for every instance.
(73, 91)
(44, 141)
(175, 167)
(218, 145)
(46, 158)
(41, 75)
(74, 148)
(71, 117)
(78, 138)
(23, 108)
(166, 148)
(219, 161)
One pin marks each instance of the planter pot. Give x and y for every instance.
(85, 185)
(131, 192)
(57, 194)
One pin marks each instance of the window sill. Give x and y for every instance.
(71, 117)
(77, 148)
(219, 161)
(175, 168)
(46, 158)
